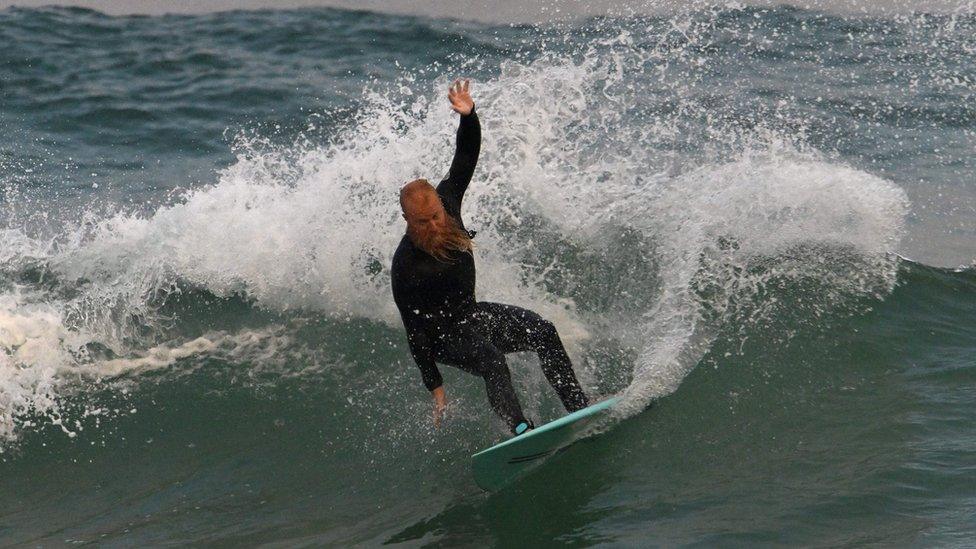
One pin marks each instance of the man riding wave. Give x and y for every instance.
(433, 278)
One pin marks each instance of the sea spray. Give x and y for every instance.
(602, 160)
(200, 345)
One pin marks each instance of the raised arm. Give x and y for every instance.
(467, 147)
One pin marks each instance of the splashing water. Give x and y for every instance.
(609, 193)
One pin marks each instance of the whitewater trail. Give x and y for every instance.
(571, 171)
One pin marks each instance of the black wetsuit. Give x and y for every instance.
(446, 324)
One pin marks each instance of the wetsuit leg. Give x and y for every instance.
(513, 329)
(469, 350)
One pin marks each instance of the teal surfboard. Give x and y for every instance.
(504, 462)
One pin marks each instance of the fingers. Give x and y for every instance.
(459, 96)
(439, 415)
(458, 87)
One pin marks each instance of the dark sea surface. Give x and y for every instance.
(757, 226)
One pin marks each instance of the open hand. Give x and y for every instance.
(461, 100)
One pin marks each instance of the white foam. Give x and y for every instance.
(40, 358)
(314, 227)
(32, 352)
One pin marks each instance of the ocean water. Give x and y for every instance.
(756, 225)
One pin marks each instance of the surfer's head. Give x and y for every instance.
(430, 227)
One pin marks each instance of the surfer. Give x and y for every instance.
(433, 277)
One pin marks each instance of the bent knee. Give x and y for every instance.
(544, 331)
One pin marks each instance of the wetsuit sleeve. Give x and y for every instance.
(423, 353)
(467, 148)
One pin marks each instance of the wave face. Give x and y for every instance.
(199, 214)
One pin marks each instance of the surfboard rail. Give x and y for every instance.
(502, 463)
